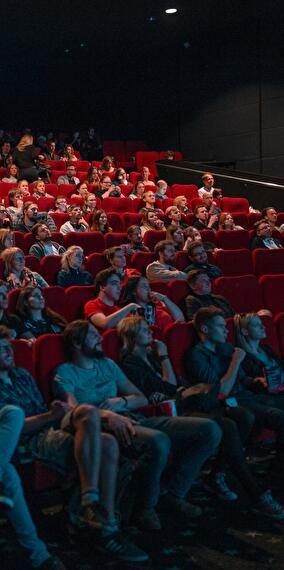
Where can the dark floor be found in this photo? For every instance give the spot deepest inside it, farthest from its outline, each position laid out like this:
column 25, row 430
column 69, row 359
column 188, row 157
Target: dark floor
column 228, row 536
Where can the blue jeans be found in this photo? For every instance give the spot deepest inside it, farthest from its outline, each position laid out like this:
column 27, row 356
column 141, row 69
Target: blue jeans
column 11, row 423
column 191, row 440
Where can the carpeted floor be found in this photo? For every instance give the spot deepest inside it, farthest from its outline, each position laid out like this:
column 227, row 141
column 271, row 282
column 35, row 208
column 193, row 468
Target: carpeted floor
column 227, row 536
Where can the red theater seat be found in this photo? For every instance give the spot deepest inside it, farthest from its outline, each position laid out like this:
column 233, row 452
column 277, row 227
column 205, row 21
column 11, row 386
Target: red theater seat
column 117, row 204
column 209, row 235
column 76, row 297
column 23, row 355
column 182, row 260
column 32, row 262
column 59, row 219
column 50, row 265
column 116, row 221
column 45, row 204
column 96, row 262
column 230, row 239
column 268, row 261
column 178, row 291
column 188, row 190
column 91, row 242
column 179, row 338
column 243, row 292
column 132, row 219
column 237, row 262
column 141, row 259
column 152, row 237
column 48, row 353
column 272, row 287
column 147, row 158
column 113, row 239
column 234, row 205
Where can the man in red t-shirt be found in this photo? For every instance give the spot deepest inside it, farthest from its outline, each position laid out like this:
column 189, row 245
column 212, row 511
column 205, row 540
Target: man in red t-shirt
column 103, row 311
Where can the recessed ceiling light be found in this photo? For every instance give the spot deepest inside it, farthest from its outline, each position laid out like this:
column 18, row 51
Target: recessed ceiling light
column 171, row 11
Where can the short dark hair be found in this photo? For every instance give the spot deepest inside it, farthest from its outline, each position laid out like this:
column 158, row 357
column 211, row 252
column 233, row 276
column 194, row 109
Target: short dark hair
column 198, row 208
column 36, row 227
column 103, row 276
column 265, row 210
column 161, row 245
column 193, row 275
column 111, row 251
column 4, row 332
column 75, row 332
column 28, row 204
column 132, row 229
column 257, row 224
column 205, row 315
column 72, row 207
column 193, row 245
column 70, row 163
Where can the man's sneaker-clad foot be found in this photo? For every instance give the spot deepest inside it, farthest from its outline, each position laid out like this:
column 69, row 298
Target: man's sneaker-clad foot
column 5, row 502
column 89, row 515
column 268, row 506
column 219, row 486
column 147, row 519
column 179, row 506
column 120, row 548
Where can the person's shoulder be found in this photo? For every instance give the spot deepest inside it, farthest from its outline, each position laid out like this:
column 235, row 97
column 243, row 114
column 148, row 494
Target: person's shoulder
column 65, row 367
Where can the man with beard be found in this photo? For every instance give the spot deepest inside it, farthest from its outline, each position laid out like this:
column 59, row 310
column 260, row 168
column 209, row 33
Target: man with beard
column 76, row 222
column 30, row 217
column 91, row 378
column 163, row 269
column 44, row 245
column 135, row 241
column 69, row 439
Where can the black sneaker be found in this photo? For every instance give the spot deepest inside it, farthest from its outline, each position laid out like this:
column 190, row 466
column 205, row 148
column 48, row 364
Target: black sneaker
column 6, row 503
column 120, row 548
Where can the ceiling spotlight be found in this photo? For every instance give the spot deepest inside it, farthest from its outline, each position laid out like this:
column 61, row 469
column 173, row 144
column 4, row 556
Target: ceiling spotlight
column 171, row 11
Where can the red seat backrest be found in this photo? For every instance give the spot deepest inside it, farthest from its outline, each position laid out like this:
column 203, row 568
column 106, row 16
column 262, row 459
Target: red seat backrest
column 147, row 158
column 19, row 240
column 268, row 261
column 178, row 291
column 91, row 242
column 83, row 165
column 45, row 204
column 234, row 205
column 241, row 219
column 50, row 265
column 59, row 218
column 66, row 189
column 116, row 221
column 152, row 237
column 112, row 239
column 48, row 353
column 76, row 297
column 179, row 338
column 23, row 355
column 182, row 260
column 233, row 239
column 141, row 259
column 188, row 190
column 132, row 219
column 96, row 262
column 272, row 287
column 160, row 287
column 118, row 204
column 237, row 262
column 209, row 235
column 32, row 262
column 243, row 292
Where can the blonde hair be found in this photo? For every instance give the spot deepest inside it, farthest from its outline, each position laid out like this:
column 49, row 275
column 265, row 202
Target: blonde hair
column 25, row 140
column 128, row 329
column 241, row 322
column 222, row 220
column 65, row 265
column 178, row 199
column 8, row 257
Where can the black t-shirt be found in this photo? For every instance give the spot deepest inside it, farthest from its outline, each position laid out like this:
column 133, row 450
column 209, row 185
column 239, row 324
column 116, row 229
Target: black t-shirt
column 25, row 158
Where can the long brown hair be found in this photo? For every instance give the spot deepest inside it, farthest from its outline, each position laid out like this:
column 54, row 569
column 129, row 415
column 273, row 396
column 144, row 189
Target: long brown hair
column 23, row 311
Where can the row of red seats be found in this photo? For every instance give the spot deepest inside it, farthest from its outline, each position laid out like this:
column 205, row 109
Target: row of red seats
column 47, row 352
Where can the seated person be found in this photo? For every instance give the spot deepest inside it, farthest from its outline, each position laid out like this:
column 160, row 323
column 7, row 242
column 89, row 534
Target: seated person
column 263, row 237
column 12, row 499
column 137, row 191
column 65, row 447
column 174, row 217
column 145, row 174
column 60, row 204
column 169, row 155
column 208, row 183
column 93, row 176
column 149, row 199
column 226, row 222
column 163, row 269
column 107, row 164
column 120, row 177
column 6, row 155
column 99, row 222
column 106, row 189
column 135, row 241
column 201, row 295
column 39, row 190
column 81, row 190
column 175, row 234
column 199, row 260
column 35, row 317
column 157, row 309
column 204, row 221
column 269, row 214
column 50, row 152
column 16, row 203
column 23, row 187
column 261, row 363
column 191, row 234
column 91, row 377
column 43, row 243
column 181, row 203
column 68, row 154
column 90, row 204
column 71, row 268
column 32, row 216
column 5, row 220
column 16, row 274
column 211, row 204
column 70, row 176
column 104, row 312
column 9, row 320
column 161, row 189
column 12, row 174
column 216, row 362
column 7, row 239
column 117, row 260
column 76, row 223
column 150, row 222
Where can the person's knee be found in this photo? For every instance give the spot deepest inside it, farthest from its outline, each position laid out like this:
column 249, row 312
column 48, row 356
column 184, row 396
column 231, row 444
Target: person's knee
column 13, row 414
column 87, row 415
column 160, row 445
column 110, row 447
column 212, row 432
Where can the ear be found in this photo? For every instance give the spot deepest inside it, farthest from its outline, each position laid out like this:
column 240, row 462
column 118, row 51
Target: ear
column 244, row 332
column 204, row 329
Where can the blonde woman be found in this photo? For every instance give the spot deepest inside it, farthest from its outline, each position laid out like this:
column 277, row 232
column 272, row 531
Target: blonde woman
column 24, row 157
column 150, row 221
column 71, row 268
column 16, row 274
